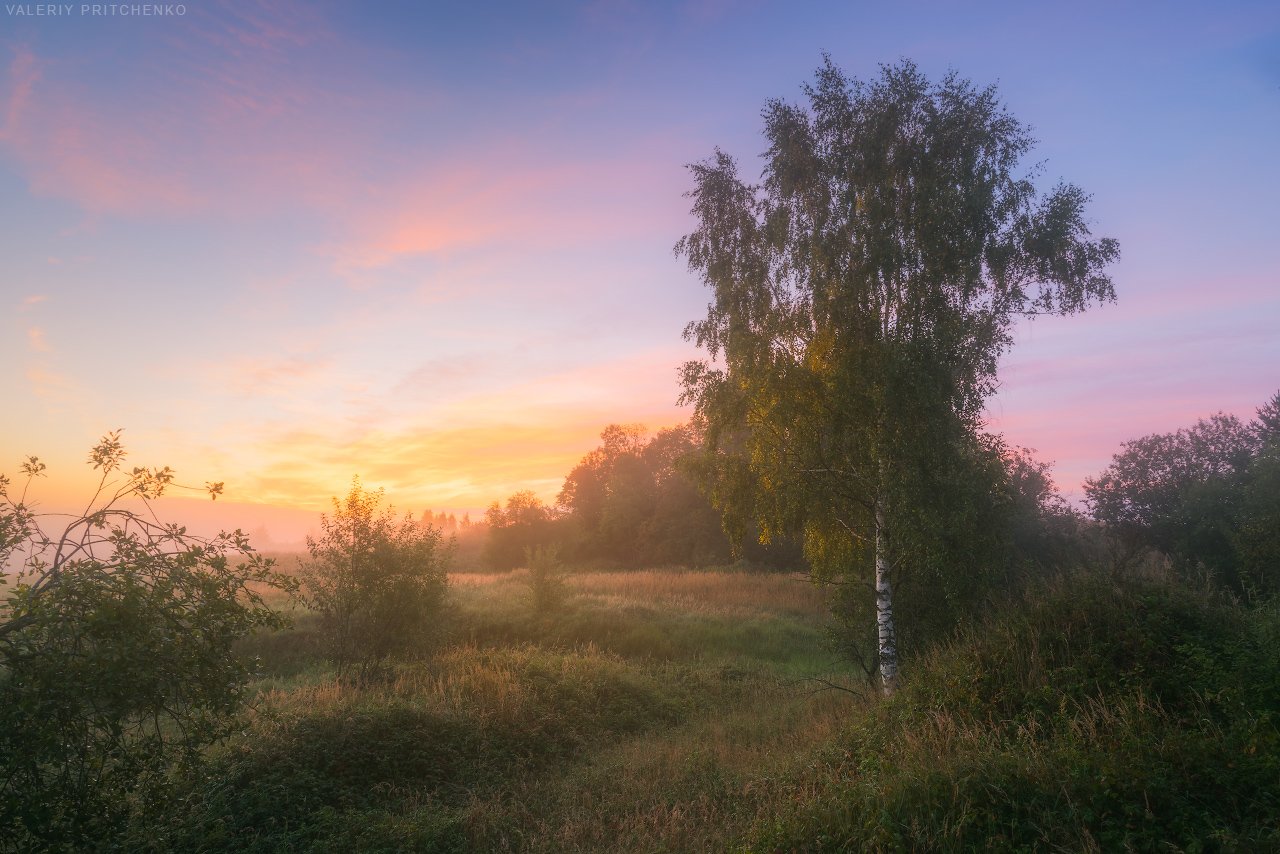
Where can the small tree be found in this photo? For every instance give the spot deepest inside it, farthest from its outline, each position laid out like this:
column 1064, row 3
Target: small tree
column 547, row 586
column 376, row 582
column 117, row 652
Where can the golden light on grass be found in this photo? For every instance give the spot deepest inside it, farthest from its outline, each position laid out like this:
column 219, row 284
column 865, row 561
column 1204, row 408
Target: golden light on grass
column 706, row 592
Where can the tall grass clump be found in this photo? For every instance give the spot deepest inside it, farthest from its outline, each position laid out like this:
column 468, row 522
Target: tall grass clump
column 1095, row 715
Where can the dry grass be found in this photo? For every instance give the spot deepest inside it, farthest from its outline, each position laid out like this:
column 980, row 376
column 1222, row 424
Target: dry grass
column 661, row 710
column 705, row 592
column 709, row 593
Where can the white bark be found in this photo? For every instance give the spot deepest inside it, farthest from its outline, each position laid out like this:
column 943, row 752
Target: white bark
column 888, row 646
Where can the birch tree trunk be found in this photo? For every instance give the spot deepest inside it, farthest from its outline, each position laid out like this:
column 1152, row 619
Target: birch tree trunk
column 888, row 647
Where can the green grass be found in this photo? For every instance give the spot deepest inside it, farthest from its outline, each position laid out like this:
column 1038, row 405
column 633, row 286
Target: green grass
column 657, row 698
column 673, row 711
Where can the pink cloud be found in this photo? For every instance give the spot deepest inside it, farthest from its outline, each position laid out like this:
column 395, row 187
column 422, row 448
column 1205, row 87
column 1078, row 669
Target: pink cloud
column 510, row 194
column 227, row 121
column 246, row 114
column 24, row 71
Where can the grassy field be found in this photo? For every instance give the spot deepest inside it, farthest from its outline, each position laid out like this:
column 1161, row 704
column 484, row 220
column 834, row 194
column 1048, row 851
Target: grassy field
column 666, row 710
column 658, row 710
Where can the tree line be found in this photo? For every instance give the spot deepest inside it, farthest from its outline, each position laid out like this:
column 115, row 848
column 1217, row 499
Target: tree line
column 634, row 501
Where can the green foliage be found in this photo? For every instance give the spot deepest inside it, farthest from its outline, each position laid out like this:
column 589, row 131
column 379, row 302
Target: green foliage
column 863, row 294
column 396, row 768
column 663, row 712
column 377, row 583
column 117, row 654
column 1095, row 715
column 525, row 522
column 547, row 586
column 1257, row 535
column 1205, row 496
column 630, row 501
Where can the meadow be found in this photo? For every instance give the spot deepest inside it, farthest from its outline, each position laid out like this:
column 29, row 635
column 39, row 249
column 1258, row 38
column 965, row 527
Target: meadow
column 674, row 710
column 657, row 710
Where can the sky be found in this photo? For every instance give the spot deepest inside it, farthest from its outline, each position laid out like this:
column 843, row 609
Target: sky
column 283, row 244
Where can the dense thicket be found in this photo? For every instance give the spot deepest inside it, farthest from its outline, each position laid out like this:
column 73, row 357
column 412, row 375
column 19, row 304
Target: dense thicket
column 1206, row 496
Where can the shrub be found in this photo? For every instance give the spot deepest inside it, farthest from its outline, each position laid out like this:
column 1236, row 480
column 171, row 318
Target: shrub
column 546, row 579
column 117, row 654
column 378, row 583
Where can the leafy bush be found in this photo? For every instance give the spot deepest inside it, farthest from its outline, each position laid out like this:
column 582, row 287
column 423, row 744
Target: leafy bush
column 117, row 658
column 377, row 583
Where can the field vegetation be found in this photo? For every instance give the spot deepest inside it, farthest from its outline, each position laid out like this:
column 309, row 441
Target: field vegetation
column 659, row 709
column 676, row 710
column 1105, row 697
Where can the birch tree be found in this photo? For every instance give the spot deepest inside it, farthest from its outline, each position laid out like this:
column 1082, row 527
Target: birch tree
column 863, row 292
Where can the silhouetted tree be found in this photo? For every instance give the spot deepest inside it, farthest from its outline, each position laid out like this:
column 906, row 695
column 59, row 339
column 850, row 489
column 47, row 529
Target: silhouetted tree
column 1205, row 496
column 1046, row 533
column 629, row 501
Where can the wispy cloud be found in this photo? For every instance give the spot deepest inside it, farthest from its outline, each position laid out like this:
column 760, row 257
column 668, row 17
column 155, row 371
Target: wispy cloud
column 273, row 375
column 49, row 385
column 36, row 340
column 516, row 194
column 23, row 73
column 252, row 127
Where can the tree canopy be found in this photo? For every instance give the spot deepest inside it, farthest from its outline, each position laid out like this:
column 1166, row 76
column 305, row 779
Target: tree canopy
column 862, row 295
column 629, row 501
